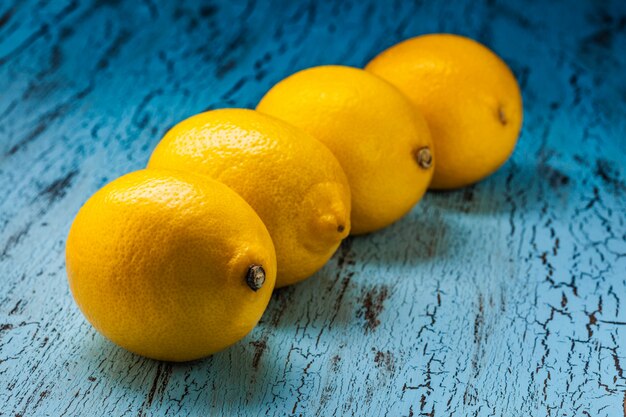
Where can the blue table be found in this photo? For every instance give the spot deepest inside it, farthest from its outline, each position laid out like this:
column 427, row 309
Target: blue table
column 507, row 298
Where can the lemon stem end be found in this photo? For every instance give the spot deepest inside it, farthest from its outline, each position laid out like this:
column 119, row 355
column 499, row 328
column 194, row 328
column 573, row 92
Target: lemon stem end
column 255, row 278
column 424, row 157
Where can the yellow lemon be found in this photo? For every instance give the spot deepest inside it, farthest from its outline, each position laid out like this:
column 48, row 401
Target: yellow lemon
column 293, row 182
column 170, row 265
column 469, row 97
column 382, row 143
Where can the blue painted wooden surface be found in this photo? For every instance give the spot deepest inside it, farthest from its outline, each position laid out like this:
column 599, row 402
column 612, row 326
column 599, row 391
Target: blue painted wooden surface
column 506, row 298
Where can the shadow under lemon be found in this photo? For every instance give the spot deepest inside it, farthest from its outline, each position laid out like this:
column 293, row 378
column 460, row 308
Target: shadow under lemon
column 516, row 186
column 241, row 371
column 334, row 297
column 414, row 241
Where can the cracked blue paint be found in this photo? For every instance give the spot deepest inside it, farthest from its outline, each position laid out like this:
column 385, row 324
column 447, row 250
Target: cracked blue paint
column 502, row 299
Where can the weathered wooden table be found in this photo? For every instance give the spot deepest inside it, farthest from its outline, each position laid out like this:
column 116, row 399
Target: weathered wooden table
column 505, row 299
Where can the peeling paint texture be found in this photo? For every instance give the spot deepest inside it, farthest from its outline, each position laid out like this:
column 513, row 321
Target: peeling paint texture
column 507, row 298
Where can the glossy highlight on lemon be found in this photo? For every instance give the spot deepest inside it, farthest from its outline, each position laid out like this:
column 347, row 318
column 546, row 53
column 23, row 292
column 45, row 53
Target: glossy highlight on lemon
column 170, row 265
column 381, row 141
column 292, row 181
column 469, row 97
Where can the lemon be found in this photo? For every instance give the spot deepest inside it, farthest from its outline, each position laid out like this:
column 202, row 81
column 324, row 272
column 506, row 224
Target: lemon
column 469, row 97
column 382, row 143
column 170, row 265
column 291, row 180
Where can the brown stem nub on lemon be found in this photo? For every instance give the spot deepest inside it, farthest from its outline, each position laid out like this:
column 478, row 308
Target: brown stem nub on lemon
column 255, row 278
column 424, row 158
column 467, row 94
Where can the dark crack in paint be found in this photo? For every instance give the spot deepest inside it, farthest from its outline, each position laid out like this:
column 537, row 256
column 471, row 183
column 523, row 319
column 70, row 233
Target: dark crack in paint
column 259, row 349
column 372, row 306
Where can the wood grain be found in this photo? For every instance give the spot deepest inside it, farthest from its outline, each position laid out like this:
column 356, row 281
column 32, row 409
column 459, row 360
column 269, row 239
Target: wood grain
column 502, row 299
